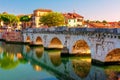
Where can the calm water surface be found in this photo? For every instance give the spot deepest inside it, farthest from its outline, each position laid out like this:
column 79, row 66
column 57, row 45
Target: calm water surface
column 22, row 62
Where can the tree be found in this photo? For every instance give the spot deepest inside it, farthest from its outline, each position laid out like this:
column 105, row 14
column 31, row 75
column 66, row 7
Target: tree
column 53, row 19
column 98, row 21
column 0, row 20
column 25, row 19
column 9, row 19
column 87, row 21
column 104, row 21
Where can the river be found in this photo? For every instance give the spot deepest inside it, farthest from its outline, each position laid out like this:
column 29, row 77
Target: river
column 22, row 62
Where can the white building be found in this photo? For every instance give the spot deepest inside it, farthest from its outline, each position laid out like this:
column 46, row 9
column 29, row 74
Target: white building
column 73, row 19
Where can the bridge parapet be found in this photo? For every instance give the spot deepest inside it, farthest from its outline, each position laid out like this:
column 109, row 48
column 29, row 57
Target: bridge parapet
column 72, row 30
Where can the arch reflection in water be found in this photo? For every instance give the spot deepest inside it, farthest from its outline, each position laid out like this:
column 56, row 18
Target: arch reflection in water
column 81, row 66
column 55, row 57
column 73, row 68
column 38, row 51
column 36, row 67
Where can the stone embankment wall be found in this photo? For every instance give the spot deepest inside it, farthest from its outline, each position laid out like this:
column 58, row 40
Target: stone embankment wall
column 11, row 36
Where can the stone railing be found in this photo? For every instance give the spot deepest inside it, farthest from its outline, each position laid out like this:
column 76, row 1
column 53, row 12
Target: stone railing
column 72, row 30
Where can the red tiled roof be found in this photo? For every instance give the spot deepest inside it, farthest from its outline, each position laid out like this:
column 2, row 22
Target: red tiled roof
column 103, row 25
column 97, row 25
column 72, row 15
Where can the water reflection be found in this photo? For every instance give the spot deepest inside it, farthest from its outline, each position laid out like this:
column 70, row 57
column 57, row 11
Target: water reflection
column 81, row 67
column 67, row 68
column 55, row 57
column 113, row 72
column 39, row 51
column 7, row 61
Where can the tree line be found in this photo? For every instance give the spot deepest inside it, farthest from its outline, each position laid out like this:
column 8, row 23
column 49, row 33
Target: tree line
column 50, row 19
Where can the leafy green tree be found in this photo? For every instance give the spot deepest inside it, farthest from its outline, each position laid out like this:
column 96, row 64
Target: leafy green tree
column 104, row 21
column 97, row 21
column 0, row 20
column 53, row 19
column 25, row 19
column 9, row 19
column 87, row 21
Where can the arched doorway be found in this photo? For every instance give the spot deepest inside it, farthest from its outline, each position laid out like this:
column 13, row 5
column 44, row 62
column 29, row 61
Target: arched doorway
column 55, row 43
column 113, row 56
column 81, row 47
column 38, row 41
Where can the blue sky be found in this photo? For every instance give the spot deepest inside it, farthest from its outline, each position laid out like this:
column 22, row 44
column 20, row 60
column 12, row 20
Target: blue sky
column 90, row 9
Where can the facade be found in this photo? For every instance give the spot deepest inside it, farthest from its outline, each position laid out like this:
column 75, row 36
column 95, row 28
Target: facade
column 1, row 23
column 37, row 15
column 73, row 19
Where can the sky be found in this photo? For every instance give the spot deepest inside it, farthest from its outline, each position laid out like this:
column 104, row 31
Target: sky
column 90, row 9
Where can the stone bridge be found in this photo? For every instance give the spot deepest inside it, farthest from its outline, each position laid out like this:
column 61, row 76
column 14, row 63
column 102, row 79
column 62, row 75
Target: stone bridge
column 102, row 44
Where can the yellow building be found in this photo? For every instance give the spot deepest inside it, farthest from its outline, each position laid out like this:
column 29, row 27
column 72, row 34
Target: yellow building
column 1, row 23
column 37, row 15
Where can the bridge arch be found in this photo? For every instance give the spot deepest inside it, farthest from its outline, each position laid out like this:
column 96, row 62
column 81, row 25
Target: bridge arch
column 113, row 56
column 80, row 47
column 55, row 43
column 39, row 41
column 28, row 39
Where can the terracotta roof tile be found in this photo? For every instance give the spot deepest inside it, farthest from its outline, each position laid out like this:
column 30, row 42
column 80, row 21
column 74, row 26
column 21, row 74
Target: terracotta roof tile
column 72, row 15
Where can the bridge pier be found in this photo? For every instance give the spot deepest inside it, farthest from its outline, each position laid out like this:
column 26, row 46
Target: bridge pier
column 65, row 51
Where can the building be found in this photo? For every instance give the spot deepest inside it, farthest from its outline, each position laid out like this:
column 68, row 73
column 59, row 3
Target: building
column 103, row 25
column 1, row 23
column 73, row 19
column 37, row 15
